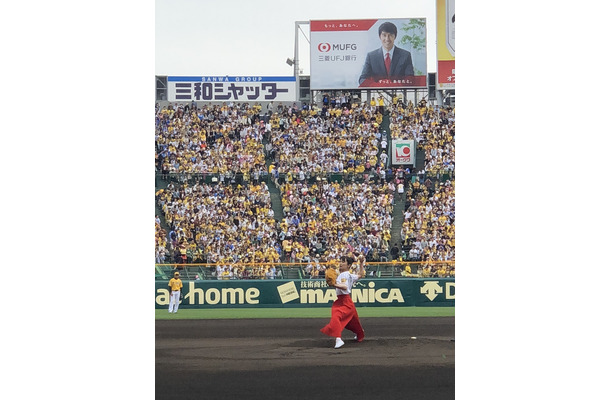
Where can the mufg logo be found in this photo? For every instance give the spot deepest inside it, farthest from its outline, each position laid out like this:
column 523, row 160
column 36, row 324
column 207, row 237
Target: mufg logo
column 431, row 289
column 326, row 47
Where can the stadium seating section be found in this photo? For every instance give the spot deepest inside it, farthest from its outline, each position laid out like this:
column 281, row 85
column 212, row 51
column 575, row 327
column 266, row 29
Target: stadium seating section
column 246, row 192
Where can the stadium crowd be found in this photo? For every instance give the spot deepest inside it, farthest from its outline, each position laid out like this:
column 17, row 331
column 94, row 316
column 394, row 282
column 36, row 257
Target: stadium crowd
column 326, row 219
column 221, row 139
column 226, row 223
column 340, row 139
column 433, row 130
column 428, row 230
column 220, row 223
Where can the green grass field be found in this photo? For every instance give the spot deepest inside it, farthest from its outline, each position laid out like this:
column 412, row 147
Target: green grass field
column 363, row 312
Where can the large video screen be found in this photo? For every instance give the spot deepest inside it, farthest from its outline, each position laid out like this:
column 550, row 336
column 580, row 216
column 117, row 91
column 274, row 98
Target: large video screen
column 368, row 53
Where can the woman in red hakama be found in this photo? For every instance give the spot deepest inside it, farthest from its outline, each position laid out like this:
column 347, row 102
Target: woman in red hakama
column 343, row 312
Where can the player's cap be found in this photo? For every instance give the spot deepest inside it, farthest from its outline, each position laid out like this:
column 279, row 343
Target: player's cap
column 176, row 273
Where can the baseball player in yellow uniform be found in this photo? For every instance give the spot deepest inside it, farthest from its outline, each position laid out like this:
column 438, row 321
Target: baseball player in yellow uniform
column 175, row 287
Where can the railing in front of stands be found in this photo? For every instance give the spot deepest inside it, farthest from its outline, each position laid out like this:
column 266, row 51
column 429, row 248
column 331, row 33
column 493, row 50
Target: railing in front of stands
column 393, row 269
column 238, row 178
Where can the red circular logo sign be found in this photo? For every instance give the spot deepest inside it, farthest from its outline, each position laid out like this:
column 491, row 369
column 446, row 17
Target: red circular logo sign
column 324, row 47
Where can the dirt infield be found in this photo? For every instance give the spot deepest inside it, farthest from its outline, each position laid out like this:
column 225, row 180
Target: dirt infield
column 292, row 359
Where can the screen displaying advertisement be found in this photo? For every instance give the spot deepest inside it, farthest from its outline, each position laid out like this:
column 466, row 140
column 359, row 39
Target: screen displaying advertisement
column 231, row 88
column 351, row 54
column 403, row 152
column 445, row 44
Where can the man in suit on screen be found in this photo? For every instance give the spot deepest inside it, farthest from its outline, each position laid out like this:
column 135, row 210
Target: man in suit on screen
column 388, row 61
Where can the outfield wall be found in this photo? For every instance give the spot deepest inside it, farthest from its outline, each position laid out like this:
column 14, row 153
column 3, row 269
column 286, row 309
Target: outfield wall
column 405, row 292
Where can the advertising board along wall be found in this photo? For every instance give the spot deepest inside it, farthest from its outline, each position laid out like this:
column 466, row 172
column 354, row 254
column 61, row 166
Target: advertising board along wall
column 408, row 292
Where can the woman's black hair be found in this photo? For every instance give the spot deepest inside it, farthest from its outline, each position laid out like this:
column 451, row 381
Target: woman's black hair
column 349, row 260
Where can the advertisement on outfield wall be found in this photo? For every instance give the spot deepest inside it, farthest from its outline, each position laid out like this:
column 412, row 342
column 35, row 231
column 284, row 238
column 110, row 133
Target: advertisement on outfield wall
column 445, row 44
column 403, row 152
column 368, row 53
column 420, row 292
column 231, row 88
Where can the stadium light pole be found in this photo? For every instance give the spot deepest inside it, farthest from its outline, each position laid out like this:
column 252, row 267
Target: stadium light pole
column 297, row 27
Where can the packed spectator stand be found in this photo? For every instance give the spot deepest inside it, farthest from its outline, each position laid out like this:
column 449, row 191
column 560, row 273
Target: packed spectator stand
column 242, row 187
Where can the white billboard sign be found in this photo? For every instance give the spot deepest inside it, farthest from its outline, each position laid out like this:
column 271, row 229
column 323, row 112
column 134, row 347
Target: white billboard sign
column 368, row 53
column 403, row 152
column 231, row 88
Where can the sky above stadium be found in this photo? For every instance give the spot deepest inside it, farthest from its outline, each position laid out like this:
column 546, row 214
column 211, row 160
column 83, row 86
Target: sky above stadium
column 245, row 37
